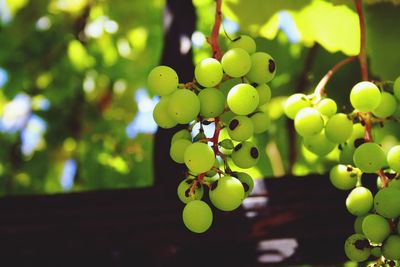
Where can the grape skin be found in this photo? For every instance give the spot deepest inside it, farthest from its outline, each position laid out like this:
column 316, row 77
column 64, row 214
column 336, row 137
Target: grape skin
column 364, row 160
column 386, row 202
column 308, row 122
column 359, row 201
column 208, row 72
column 197, row 216
column 227, row 193
column 393, row 158
column 184, row 188
column 342, row 178
column 245, row 42
column 243, row 99
column 236, row 62
column 355, row 253
column 199, row 157
column 391, row 248
column 365, row 96
column 294, row 104
column 376, row 228
column 162, row 80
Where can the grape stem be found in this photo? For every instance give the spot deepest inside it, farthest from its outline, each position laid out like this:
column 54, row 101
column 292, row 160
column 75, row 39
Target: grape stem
column 320, row 89
column 362, row 56
column 213, row 39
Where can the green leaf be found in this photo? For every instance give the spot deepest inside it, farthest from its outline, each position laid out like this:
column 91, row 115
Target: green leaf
column 334, row 27
column 383, row 37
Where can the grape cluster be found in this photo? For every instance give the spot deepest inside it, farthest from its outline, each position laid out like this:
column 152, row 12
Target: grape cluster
column 377, row 226
column 227, row 93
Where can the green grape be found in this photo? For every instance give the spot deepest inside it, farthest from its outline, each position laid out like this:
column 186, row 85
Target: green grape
column 161, row 115
column 294, row 104
column 391, row 248
column 344, row 177
column 398, row 227
column 396, row 114
column 226, row 117
column 227, row 85
column 236, row 62
column 357, row 248
column 245, row 155
column 376, row 252
column 227, row 193
column 212, row 173
column 339, row 128
column 162, row 80
column 177, row 150
column 308, row 122
column 359, row 201
column 375, row 228
column 208, row 72
column 199, row 157
column 393, row 158
column 181, row 134
column 245, row 42
column 184, row 191
column 369, row 157
column 243, row 99
column 347, row 148
column 387, row 106
column 365, row 96
column 396, row 88
column 393, row 182
column 212, row 102
column 262, row 69
column 318, row 144
column 327, row 107
column 261, row 122
column 240, row 128
column 183, row 106
column 358, row 224
column 387, row 202
column 197, row 216
column 246, row 180
column 264, row 93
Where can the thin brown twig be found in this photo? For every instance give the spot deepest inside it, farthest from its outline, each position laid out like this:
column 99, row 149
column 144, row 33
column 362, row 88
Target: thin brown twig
column 213, row 39
column 362, row 56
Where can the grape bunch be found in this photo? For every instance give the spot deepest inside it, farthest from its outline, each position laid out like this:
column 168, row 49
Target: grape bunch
column 322, row 128
column 228, row 93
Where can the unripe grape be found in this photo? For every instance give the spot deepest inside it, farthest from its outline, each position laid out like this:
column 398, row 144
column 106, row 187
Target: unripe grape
column 183, row 106
column 245, row 42
column 396, row 88
column 181, row 134
column 197, row 216
column 161, row 115
column 318, row 144
column 184, row 191
column 243, row 99
column 387, row 202
column 365, row 96
column 227, row 193
column 199, row 157
column 357, row 248
column 226, row 117
column 162, row 80
column 308, row 122
column 339, row 128
column 246, row 180
column 262, row 69
column 212, row 102
column 240, row 128
column 327, row 107
column 358, row 224
column 178, row 149
column 376, row 252
column 236, row 62
column 344, row 177
column 359, row 201
column 208, row 72
column 393, row 158
column 261, row 122
column 294, row 104
column 245, row 155
column 264, row 93
column 369, row 157
column 387, row 106
column 391, row 248
column 375, row 228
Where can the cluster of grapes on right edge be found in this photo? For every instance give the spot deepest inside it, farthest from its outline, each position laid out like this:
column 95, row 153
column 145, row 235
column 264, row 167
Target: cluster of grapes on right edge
column 377, row 226
column 230, row 94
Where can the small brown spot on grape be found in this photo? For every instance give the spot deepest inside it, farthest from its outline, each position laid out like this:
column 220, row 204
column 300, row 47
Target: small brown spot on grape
column 254, row 152
column 362, row 244
column 214, row 185
column 349, row 168
column 239, row 146
column 245, row 187
column 233, row 124
column 187, row 192
column 271, row 66
column 358, row 142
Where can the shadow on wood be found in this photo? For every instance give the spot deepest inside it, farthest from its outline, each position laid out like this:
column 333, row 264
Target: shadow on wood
column 300, row 220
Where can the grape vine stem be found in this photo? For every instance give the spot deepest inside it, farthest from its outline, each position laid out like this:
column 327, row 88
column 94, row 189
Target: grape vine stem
column 362, row 56
column 213, row 39
column 320, row 88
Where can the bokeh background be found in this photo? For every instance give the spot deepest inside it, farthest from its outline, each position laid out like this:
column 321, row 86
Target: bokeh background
column 75, row 113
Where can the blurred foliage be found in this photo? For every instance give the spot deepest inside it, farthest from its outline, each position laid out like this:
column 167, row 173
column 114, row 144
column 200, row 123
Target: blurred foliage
column 71, row 73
